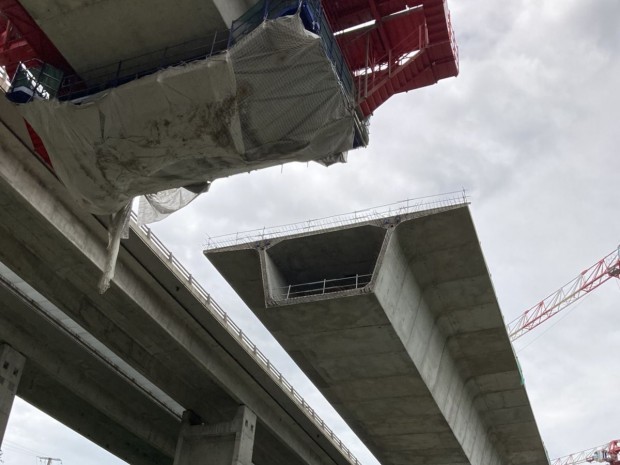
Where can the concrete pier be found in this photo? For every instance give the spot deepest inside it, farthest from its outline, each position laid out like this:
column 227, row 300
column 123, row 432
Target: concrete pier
column 396, row 322
column 229, row 443
column 11, row 368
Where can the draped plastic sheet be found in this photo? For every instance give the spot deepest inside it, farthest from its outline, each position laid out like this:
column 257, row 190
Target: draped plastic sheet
column 272, row 98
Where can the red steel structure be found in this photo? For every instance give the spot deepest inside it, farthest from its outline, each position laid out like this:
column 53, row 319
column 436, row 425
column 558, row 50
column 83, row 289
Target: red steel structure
column 393, row 46
column 22, row 41
column 390, row 46
column 602, row 271
column 607, row 453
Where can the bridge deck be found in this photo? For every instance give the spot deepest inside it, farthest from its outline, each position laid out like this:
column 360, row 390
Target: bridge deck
column 417, row 360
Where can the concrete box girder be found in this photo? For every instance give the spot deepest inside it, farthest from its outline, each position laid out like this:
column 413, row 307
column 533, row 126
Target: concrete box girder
column 95, row 33
column 426, row 336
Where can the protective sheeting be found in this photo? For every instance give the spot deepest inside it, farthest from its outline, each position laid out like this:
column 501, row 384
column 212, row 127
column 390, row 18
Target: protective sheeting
column 272, row 98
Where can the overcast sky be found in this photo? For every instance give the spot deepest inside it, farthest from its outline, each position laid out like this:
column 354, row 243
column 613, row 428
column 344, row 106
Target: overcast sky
column 530, row 129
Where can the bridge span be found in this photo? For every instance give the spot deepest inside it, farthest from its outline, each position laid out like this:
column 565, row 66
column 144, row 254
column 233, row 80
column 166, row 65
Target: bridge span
column 394, row 318
column 123, row 367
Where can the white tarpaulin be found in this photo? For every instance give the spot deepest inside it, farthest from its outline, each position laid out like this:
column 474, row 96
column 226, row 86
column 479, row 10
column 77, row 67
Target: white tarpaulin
column 272, row 98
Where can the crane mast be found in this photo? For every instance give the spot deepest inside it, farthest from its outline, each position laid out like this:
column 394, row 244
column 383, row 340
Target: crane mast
column 602, row 271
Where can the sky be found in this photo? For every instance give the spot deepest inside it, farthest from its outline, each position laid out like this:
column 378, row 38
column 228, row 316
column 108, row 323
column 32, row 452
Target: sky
column 530, row 130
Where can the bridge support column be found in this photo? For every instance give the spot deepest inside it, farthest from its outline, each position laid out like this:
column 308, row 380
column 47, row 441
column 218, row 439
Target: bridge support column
column 11, row 367
column 229, row 443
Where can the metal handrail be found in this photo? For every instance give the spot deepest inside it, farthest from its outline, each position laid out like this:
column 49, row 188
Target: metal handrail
column 120, row 72
column 324, row 286
column 408, row 206
column 177, row 268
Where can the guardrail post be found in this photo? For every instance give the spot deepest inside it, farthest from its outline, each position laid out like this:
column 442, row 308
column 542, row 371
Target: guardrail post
column 356, row 280
column 324, row 283
column 289, row 291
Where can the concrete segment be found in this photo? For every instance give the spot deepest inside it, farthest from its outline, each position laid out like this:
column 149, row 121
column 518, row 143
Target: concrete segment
column 418, row 361
column 11, row 369
column 148, row 317
column 94, row 34
column 230, row 443
column 65, row 379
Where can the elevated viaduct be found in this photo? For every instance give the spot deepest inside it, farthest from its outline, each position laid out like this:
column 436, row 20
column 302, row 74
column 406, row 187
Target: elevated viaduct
column 122, row 368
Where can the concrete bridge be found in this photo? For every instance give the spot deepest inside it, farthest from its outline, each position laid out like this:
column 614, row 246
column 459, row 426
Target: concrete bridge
column 395, row 320
column 123, row 367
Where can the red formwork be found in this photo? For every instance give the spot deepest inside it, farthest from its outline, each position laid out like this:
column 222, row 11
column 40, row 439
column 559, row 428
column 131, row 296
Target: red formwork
column 393, row 46
column 22, row 40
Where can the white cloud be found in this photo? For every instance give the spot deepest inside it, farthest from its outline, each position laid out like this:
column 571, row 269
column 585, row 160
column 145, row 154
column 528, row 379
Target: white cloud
column 530, row 129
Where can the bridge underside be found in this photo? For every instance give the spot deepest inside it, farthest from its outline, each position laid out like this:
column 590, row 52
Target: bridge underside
column 149, row 318
column 414, row 355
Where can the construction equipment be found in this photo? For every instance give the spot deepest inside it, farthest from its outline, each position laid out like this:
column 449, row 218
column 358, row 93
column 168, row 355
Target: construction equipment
column 602, row 271
column 607, row 453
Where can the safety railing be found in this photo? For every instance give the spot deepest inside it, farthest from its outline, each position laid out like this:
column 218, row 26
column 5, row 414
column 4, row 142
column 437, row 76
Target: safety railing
column 404, row 207
column 177, row 268
column 325, row 286
column 378, row 70
column 121, row 72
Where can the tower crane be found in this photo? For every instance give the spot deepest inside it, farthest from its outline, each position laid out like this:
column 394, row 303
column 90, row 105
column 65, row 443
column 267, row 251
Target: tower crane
column 602, row 271
column 607, row 453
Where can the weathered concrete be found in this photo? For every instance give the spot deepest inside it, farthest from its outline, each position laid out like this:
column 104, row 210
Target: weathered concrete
column 148, row 317
column 96, row 34
column 417, row 361
column 66, row 379
column 11, row 369
column 229, row 443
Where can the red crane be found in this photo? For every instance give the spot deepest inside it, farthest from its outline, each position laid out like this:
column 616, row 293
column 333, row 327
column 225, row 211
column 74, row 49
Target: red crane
column 607, row 453
column 588, row 280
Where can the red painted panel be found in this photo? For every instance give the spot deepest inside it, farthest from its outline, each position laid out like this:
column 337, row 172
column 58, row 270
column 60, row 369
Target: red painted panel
column 380, row 54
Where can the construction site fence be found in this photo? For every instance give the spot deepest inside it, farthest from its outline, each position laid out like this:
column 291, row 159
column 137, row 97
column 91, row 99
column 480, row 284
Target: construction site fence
column 177, row 268
column 408, row 206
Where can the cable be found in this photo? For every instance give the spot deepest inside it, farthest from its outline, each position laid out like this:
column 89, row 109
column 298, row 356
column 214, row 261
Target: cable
column 554, row 323
column 15, row 447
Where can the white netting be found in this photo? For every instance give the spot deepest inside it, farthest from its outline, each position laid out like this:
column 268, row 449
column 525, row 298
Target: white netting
column 291, row 103
column 272, row 98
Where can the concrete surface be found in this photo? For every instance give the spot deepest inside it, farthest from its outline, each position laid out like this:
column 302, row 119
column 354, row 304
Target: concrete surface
column 62, row 372
column 11, row 369
column 418, row 361
column 229, row 443
column 148, row 318
column 95, row 33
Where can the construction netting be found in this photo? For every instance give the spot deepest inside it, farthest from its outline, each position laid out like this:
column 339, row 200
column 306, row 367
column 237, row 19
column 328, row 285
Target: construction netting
column 272, row 98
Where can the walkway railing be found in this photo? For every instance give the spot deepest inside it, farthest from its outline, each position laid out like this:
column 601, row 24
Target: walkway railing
column 177, row 268
column 325, row 286
column 404, row 207
column 121, row 72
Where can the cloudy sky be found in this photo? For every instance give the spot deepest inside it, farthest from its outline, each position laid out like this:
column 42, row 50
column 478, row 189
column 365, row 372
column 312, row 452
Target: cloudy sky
column 530, row 129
